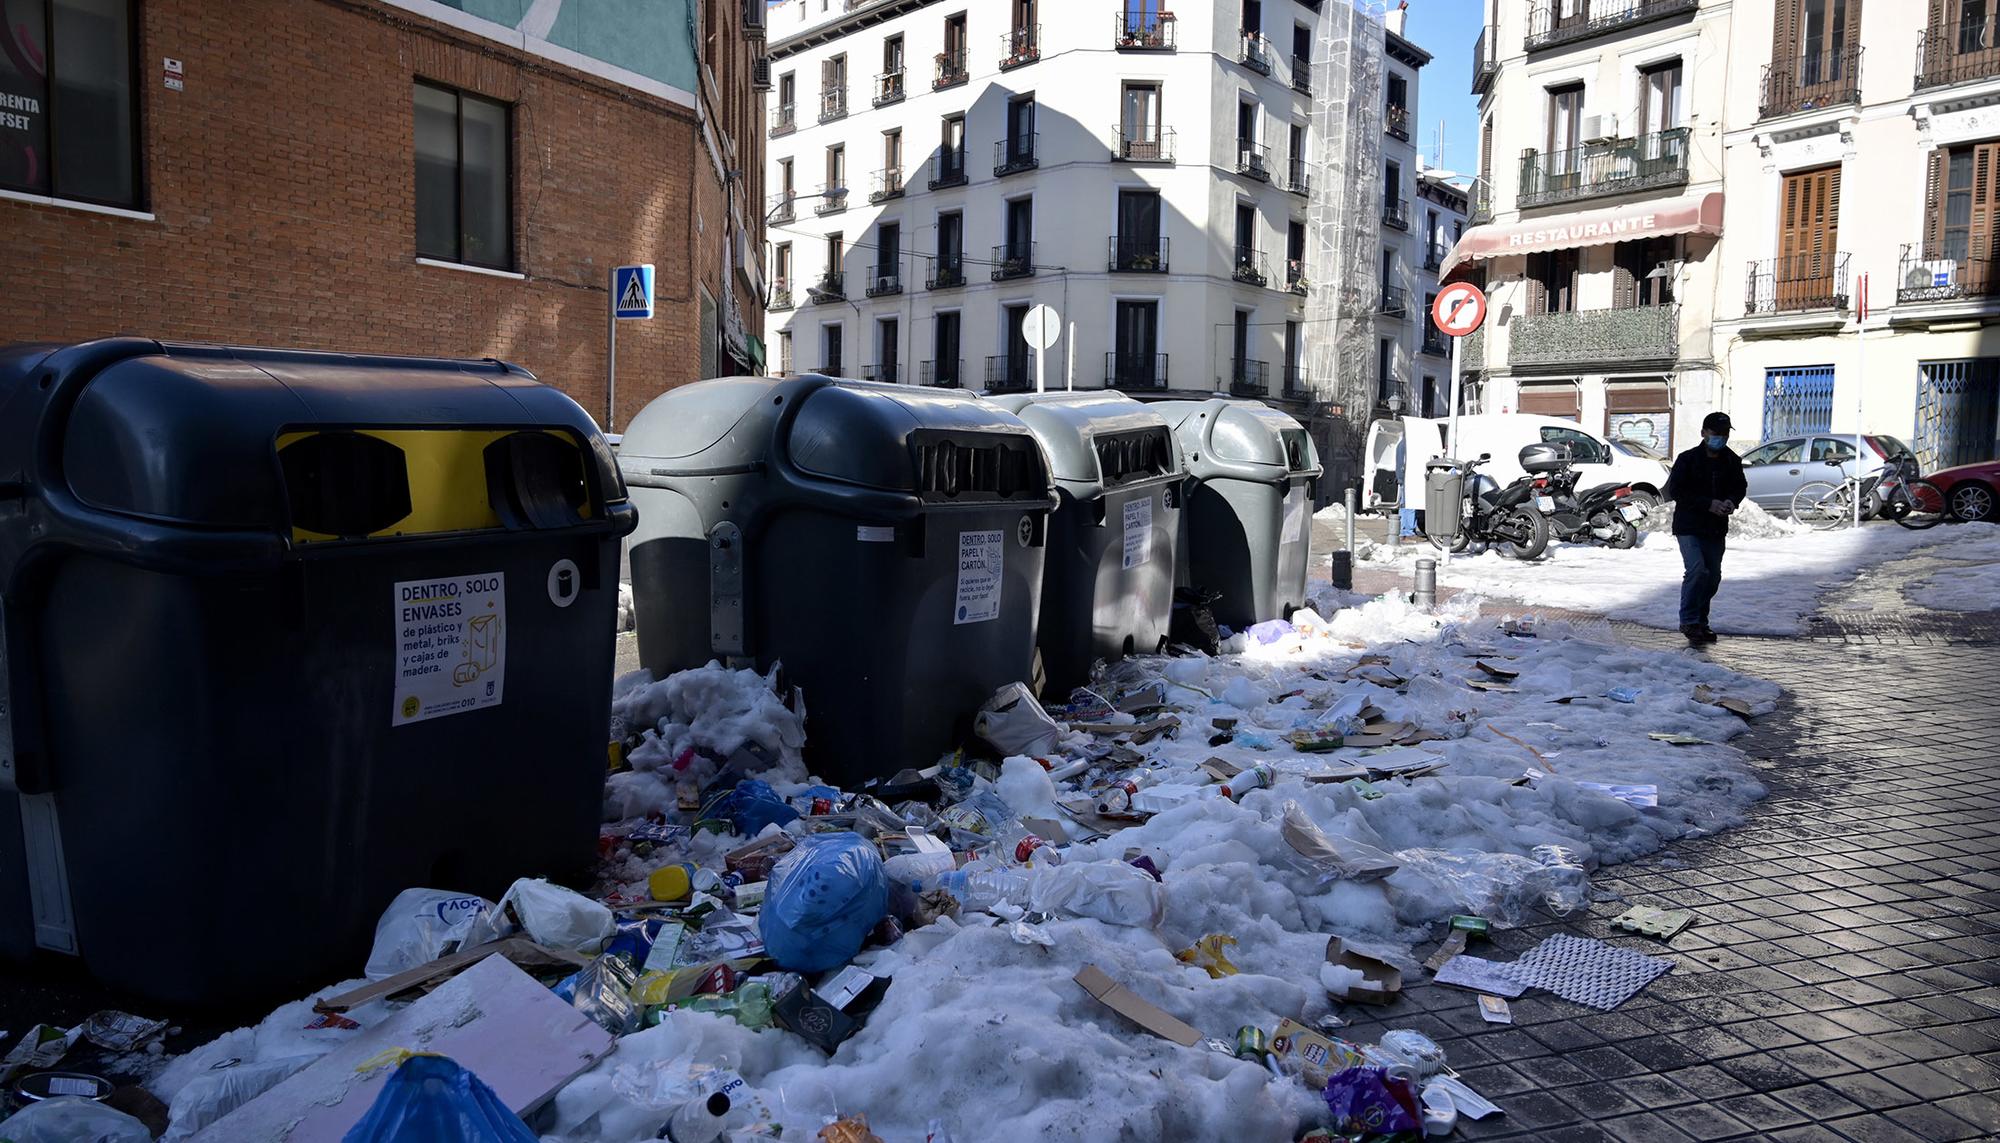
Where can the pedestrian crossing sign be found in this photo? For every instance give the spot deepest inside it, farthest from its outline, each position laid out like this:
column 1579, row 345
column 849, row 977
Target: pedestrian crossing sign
column 632, row 291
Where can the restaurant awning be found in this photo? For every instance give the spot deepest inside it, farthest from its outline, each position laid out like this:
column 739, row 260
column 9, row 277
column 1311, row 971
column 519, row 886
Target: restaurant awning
column 1688, row 214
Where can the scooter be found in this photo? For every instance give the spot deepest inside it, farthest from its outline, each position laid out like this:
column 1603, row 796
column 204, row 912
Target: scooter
column 1603, row 514
column 1499, row 516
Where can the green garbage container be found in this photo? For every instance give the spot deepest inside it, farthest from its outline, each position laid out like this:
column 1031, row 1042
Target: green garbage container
column 1108, row 587
column 883, row 542
column 1251, row 471
column 288, row 633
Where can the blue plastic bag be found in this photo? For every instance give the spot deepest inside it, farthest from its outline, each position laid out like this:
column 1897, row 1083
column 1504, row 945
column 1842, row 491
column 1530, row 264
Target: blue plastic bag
column 822, row 900
column 751, row 806
column 433, row 1099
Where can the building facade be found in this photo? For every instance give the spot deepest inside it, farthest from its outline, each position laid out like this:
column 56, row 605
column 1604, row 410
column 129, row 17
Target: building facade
column 1598, row 211
column 401, row 176
column 1438, row 221
column 1861, row 144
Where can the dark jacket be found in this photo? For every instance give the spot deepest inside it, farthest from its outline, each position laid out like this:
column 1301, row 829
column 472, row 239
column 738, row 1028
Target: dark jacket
column 1699, row 478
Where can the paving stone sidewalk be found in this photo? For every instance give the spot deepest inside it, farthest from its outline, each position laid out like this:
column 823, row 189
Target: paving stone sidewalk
column 1843, row 981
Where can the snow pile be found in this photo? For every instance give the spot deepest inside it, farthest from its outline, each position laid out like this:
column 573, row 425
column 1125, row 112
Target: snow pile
column 1973, row 584
column 1748, row 522
column 693, row 721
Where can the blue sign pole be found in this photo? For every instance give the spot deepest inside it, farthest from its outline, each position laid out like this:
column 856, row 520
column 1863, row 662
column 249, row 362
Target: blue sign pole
column 631, row 300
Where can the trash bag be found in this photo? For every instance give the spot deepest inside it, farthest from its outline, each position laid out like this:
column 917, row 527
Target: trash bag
column 823, row 898
column 73, row 1119
column 749, row 806
column 1193, row 620
column 1373, row 1104
column 421, row 925
column 554, row 916
column 433, row 1099
column 1012, row 722
column 1110, row 891
column 221, row 1090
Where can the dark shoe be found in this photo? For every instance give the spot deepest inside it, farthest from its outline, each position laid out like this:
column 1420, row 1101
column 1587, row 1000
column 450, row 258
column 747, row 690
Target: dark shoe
column 1708, row 634
column 1695, row 632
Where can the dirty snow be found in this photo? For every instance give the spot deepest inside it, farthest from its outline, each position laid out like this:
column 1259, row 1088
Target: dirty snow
column 1971, row 582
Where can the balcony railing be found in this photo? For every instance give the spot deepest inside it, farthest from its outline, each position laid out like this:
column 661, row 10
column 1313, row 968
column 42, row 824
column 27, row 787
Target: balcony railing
column 1822, row 77
column 1434, row 255
column 1298, row 386
column 885, row 373
column 1396, row 213
column 1253, row 159
column 1566, row 21
column 950, row 70
column 1011, row 156
column 1949, row 278
column 1800, row 282
column 884, row 281
column 784, row 119
column 1617, row 166
column 948, row 169
column 1644, row 333
column 781, row 297
column 1146, row 255
column 832, row 104
column 1021, row 46
column 888, row 185
column 1395, row 301
column 945, row 273
column 830, row 201
column 832, row 368
column 1295, row 277
column 1958, row 53
column 1143, row 32
column 1433, row 343
column 1298, row 176
column 1135, row 370
column 1009, row 373
column 784, row 206
column 1250, row 266
column 1013, row 260
column 1144, row 144
column 1249, row 378
column 1396, row 121
column 889, row 88
column 832, row 284
column 942, row 374
column 1482, row 203
column 1256, row 54
column 1485, row 59
column 1302, row 75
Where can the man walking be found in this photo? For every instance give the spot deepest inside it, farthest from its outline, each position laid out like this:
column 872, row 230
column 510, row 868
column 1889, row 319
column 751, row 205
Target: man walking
column 1706, row 485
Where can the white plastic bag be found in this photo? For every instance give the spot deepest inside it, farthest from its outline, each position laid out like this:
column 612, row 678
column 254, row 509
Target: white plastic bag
column 554, row 916
column 421, row 925
column 1110, row 891
column 1014, row 723
column 73, row 1119
column 217, row 1092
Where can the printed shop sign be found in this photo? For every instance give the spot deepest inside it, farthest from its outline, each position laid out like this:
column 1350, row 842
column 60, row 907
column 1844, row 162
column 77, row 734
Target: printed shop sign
column 451, row 646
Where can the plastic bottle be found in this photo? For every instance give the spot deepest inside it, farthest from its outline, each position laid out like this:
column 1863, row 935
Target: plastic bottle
column 1564, row 886
column 1623, row 694
column 1117, row 799
column 1255, row 778
column 698, row 1121
column 982, row 888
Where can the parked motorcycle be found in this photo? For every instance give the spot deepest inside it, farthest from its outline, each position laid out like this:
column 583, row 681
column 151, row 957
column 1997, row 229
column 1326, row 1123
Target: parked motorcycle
column 1602, row 514
column 1502, row 517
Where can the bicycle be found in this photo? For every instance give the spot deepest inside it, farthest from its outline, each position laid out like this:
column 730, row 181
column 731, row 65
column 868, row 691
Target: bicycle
column 1915, row 504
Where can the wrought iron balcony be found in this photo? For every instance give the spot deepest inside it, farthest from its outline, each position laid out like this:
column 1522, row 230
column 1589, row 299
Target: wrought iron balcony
column 948, row 169
column 1250, row 266
column 1009, row 373
column 1948, row 277
column 884, row 281
column 889, row 88
column 831, row 201
column 1012, row 156
column 1795, row 284
column 1302, row 75
column 1396, row 213
column 1396, row 121
column 784, row 206
column 888, row 185
column 1485, row 59
column 942, row 374
column 1395, row 301
column 1249, row 378
column 1960, row 52
column 1135, row 370
column 1013, row 260
column 1472, row 350
column 1556, row 22
column 1433, row 343
column 885, row 373
column 832, row 104
column 1434, row 255
column 781, row 297
column 1147, row 255
column 832, row 368
column 784, row 120
column 1256, row 54
column 1482, row 203
column 1577, row 337
column 1295, row 277
column 1144, row 144
column 832, row 284
column 1253, row 159
column 1298, row 386
column 1143, row 32
column 950, row 70
column 1298, row 176
column 1823, row 76
column 1616, row 166
column 1021, row 46
column 946, row 272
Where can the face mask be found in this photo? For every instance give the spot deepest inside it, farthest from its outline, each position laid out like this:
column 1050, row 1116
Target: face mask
column 1716, row 443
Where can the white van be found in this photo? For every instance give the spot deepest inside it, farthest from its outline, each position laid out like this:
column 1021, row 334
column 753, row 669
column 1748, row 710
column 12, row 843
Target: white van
column 1398, row 447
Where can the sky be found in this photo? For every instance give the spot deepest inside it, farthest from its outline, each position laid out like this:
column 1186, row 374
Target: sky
column 1446, row 29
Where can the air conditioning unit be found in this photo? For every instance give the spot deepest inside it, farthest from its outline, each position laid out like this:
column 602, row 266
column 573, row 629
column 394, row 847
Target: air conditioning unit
column 1931, row 274
column 760, row 75
column 885, row 282
column 1600, row 128
column 753, row 19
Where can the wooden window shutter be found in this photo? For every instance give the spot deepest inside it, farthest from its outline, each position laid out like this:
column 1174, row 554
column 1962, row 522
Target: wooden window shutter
column 1979, row 238
column 1785, row 37
column 1538, row 286
column 1934, row 204
column 1624, row 276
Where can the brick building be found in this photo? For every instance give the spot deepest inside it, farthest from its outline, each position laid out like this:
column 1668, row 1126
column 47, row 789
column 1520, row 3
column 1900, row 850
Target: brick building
column 452, row 177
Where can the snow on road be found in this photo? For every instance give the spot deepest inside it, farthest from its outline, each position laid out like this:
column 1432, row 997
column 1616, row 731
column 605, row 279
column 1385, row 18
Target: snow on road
column 1971, row 582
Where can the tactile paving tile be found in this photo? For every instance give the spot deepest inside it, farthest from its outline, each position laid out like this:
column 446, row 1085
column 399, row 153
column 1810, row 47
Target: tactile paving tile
column 1586, row 971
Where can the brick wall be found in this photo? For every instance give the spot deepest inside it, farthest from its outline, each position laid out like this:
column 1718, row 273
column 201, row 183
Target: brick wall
column 282, row 181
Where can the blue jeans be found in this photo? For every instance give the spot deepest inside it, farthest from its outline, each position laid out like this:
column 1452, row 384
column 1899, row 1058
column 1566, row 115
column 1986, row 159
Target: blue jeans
column 1702, row 557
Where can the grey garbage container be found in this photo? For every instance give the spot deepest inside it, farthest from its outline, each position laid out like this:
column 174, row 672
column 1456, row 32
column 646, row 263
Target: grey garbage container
column 1444, row 494
column 1108, row 587
column 884, row 543
column 1248, row 523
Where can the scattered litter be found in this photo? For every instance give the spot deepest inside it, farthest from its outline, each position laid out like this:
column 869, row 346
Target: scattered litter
column 1643, row 795
column 1206, row 954
column 1678, row 739
column 121, row 1031
column 1586, row 971
column 1130, row 1005
column 1654, row 921
column 1494, row 1010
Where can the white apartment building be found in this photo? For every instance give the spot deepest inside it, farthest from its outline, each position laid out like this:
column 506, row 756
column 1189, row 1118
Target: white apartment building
column 1145, row 172
column 1437, row 221
column 1862, row 140
column 1597, row 212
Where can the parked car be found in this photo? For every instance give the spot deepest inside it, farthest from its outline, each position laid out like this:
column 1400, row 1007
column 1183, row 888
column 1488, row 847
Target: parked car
column 1777, row 469
column 1398, row 447
column 1971, row 491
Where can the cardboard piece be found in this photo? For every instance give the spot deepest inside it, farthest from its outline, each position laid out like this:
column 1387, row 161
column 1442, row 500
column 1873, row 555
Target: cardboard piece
column 1141, row 732
column 518, row 950
column 1678, row 739
column 1654, row 921
column 1483, row 685
column 1221, row 769
column 1479, row 975
column 1501, row 673
column 1494, row 1010
column 496, row 1021
column 1380, row 972
column 1735, row 706
column 1453, row 945
column 1130, row 1005
column 822, row 1022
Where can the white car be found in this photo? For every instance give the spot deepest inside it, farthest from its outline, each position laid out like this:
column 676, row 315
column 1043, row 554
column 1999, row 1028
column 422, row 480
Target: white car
column 1398, row 448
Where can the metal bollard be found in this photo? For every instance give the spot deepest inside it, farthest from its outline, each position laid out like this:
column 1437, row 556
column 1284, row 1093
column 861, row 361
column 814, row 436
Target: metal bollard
column 1427, row 584
column 1342, row 564
column 1350, row 519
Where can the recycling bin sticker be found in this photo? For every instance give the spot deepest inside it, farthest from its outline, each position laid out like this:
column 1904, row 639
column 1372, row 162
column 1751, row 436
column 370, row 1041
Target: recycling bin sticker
column 1138, row 531
column 979, row 571
column 451, row 646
